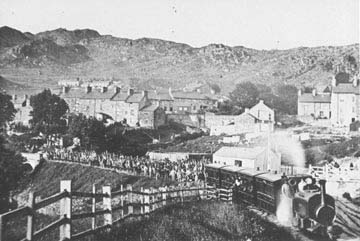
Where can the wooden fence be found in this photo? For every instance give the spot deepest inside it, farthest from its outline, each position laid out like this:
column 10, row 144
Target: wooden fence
column 116, row 206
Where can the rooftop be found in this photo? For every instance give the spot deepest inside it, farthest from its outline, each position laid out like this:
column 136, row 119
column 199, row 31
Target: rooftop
column 239, row 152
column 157, row 95
column 121, row 96
column 346, row 88
column 318, row 98
column 135, row 98
column 97, row 94
column 192, row 95
column 149, row 108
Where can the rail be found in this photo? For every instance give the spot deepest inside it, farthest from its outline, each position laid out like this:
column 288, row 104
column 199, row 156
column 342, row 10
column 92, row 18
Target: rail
column 121, row 204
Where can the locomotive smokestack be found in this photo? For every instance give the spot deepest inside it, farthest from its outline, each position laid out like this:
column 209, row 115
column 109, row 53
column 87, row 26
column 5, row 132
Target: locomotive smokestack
column 323, row 190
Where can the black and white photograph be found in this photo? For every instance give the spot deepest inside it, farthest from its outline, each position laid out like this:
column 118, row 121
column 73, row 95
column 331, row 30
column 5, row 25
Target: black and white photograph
column 179, row 120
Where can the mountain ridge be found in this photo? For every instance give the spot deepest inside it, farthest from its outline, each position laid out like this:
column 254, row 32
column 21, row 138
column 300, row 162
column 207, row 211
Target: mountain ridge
column 85, row 53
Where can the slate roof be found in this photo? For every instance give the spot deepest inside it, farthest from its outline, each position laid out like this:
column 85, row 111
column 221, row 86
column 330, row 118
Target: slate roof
column 239, row 152
column 346, row 88
column 149, row 108
column 97, row 94
column 192, row 95
column 121, row 96
column 135, row 98
column 73, row 93
column 310, row 98
column 163, row 95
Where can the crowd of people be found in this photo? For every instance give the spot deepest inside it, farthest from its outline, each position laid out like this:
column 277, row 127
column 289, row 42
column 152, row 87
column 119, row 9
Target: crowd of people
column 184, row 170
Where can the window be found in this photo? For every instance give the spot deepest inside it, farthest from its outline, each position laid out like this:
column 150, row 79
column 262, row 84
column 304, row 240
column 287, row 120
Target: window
column 165, row 108
column 131, row 112
column 171, row 109
column 238, row 163
column 353, row 109
column 194, row 107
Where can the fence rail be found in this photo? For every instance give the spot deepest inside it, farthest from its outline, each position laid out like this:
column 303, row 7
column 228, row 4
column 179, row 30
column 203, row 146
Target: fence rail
column 123, row 204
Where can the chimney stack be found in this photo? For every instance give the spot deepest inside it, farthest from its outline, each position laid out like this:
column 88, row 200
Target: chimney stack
column 87, row 89
column 145, row 93
column 355, row 82
column 314, row 92
column 130, row 91
column 116, row 89
column 103, row 89
column 333, row 81
column 322, row 183
column 65, row 89
column 299, row 92
column 170, row 93
column 14, row 97
column 247, row 110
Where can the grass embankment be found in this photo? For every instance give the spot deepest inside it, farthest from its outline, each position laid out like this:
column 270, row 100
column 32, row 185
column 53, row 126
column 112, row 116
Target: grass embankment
column 205, row 220
column 45, row 181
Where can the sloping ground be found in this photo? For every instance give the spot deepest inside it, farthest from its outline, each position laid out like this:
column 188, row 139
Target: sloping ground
column 45, row 181
column 205, row 220
column 199, row 145
column 348, row 217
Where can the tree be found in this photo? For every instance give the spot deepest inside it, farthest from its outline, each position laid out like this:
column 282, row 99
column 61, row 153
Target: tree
column 7, row 110
column 48, row 112
column 286, row 101
column 266, row 94
column 11, row 172
column 90, row 131
column 215, row 87
column 245, row 95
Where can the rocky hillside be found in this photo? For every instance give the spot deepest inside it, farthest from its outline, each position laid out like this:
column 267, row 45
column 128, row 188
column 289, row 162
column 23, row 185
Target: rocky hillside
column 47, row 57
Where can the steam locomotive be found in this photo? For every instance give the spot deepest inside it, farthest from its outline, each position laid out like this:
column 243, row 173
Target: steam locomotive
column 312, row 209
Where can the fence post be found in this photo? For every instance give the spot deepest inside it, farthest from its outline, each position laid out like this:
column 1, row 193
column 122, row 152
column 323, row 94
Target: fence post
column 142, row 208
column 181, row 194
column 30, row 217
column 93, row 208
column 2, row 227
column 130, row 200
column 107, row 205
column 65, row 210
column 164, row 196
column 122, row 201
column 147, row 201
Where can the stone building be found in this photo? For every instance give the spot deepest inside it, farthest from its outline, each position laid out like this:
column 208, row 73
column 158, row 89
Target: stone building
column 345, row 102
column 152, row 116
column 23, row 109
column 254, row 158
column 317, row 105
column 163, row 99
column 192, row 102
column 260, row 118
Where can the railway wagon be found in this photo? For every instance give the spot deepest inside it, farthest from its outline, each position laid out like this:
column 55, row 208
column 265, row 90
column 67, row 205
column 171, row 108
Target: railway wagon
column 313, row 209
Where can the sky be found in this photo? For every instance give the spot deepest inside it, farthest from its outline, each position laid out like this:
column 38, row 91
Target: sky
column 259, row 24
